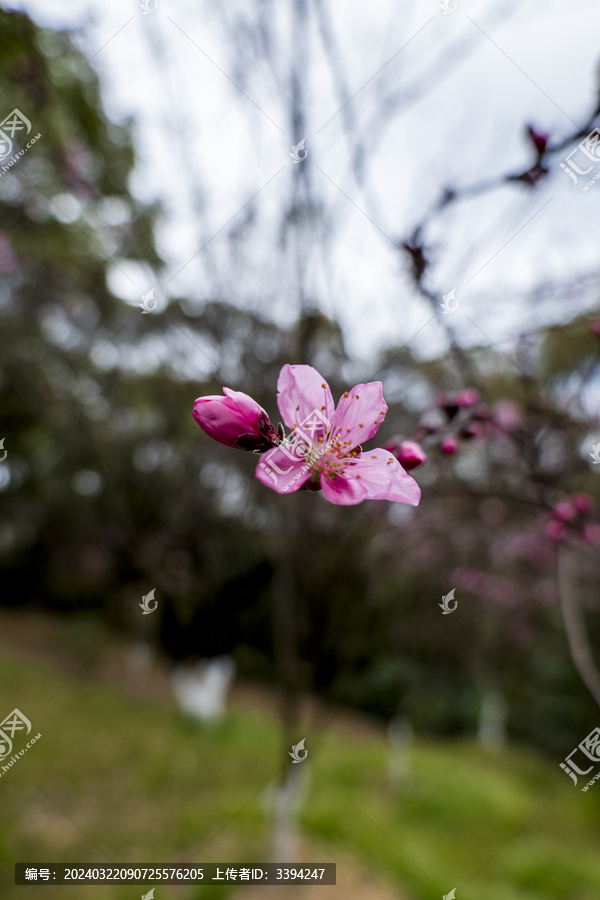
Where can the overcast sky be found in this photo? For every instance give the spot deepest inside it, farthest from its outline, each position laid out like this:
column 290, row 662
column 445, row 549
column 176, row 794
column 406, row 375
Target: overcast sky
column 212, row 131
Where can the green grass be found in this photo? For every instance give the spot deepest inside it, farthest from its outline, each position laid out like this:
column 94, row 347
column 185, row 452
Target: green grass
column 117, row 778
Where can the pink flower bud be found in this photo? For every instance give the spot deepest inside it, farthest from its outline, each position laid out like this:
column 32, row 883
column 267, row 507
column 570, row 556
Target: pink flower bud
column 448, row 403
column 467, row 397
column 481, row 412
column 449, row 445
column 555, row 530
column 408, row 453
column 471, row 430
column 539, row 139
column 595, row 327
column 235, row 420
column 583, row 503
column 564, row 511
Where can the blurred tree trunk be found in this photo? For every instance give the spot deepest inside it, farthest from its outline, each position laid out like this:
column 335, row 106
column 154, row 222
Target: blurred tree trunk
column 493, row 707
column 493, row 713
column 287, row 666
column 400, row 740
column 579, row 645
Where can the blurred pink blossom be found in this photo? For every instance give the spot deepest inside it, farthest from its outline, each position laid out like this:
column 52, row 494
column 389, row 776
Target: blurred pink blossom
column 555, row 529
column 467, row 397
column 591, row 533
column 564, row 511
column 583, row 503
column 507, row 415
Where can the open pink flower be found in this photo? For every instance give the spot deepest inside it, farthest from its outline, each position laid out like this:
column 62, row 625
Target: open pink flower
column 324, row 447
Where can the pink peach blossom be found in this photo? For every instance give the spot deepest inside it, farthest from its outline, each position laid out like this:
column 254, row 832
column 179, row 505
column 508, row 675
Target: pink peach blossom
column 324, row 448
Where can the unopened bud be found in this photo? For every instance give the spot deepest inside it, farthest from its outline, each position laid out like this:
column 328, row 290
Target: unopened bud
column 449, row 445
column 409, row 454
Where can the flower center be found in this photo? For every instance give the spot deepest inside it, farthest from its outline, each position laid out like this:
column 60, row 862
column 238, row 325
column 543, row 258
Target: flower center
column 329, row 456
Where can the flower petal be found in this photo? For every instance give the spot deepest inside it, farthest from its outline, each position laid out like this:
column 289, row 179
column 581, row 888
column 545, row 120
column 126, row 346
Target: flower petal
column 374, row 475
column 360, row 412
column 246, row 404
column 302, row 392
column 281, row 471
